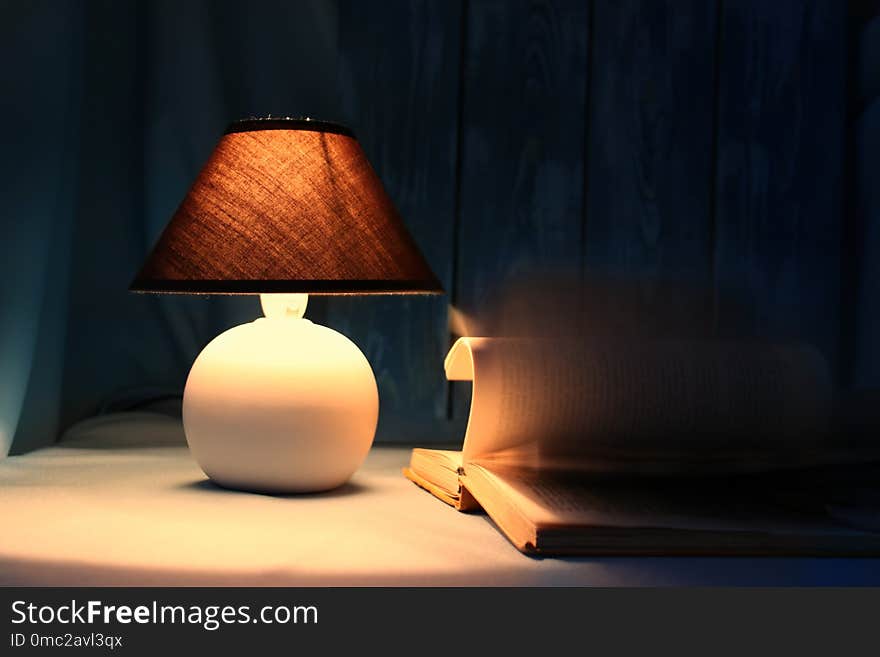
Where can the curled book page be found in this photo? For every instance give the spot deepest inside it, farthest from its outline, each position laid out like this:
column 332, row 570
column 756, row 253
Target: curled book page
column 641, row 405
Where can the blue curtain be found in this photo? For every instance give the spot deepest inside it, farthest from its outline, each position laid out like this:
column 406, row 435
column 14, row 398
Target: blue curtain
column 110, row 109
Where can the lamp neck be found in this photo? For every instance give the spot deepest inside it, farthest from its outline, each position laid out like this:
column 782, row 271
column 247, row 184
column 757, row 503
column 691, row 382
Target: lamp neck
column 284, row 306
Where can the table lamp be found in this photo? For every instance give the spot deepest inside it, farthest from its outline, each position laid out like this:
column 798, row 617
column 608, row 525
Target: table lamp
column 284, row 208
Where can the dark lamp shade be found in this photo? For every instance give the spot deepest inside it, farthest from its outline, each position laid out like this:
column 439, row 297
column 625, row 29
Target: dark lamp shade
column 286, row 205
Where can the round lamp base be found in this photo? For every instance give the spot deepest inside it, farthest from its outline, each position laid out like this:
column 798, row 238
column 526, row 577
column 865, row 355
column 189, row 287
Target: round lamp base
column 280, row 405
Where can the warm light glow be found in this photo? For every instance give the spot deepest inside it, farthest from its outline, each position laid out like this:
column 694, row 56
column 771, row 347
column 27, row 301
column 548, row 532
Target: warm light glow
column 281, row 306
column 459, row 322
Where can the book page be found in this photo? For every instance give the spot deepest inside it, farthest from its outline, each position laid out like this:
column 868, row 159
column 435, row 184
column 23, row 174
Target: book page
column 644, row 405
column 550, row 500
column 437, row 465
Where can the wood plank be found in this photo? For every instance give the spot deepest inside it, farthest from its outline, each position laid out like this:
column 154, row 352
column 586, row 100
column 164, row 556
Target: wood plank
column 105, row 322
column 522, row 161
column 863, row 247
column 866, row 351
column 868, row 65
column 398, row 79
column 780, row 146
column 650, row 158
column 276, row 57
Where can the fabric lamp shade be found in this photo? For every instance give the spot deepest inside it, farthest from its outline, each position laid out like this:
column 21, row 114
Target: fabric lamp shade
column 286, row 206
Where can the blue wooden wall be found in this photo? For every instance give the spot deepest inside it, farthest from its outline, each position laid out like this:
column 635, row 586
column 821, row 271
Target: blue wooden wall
column 863, row 283
column 694, row 141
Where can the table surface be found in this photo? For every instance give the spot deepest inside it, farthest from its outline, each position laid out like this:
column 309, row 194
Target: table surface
column 120, row 502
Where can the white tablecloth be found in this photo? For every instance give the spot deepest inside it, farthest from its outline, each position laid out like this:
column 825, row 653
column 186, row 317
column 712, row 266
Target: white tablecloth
column 120, row 502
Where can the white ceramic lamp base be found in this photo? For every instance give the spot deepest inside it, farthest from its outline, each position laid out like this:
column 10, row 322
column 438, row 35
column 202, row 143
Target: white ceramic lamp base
column 280, row 405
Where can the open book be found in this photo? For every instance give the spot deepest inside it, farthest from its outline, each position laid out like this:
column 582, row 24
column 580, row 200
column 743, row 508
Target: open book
column 653, row 447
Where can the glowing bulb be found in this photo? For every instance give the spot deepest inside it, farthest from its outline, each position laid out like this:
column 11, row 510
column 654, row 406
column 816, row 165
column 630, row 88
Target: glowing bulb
column 284, row 306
